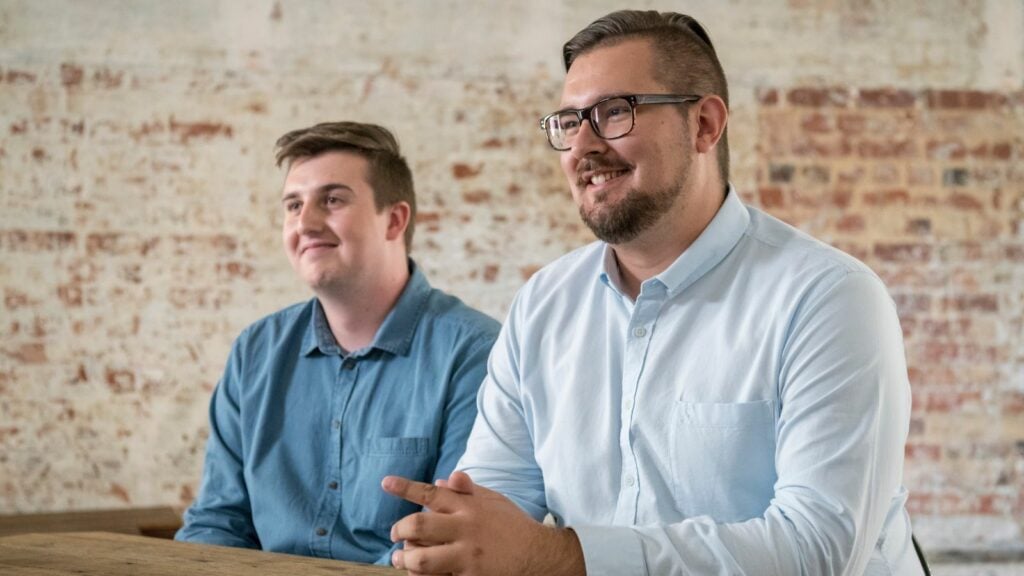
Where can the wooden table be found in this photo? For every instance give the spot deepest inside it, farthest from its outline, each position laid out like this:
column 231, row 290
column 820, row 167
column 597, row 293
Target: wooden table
column 161, row 522
column 107, row 554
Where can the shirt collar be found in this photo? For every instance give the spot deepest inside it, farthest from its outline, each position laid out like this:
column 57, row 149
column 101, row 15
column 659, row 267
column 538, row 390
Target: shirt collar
column 395, row 333
column 711, row 247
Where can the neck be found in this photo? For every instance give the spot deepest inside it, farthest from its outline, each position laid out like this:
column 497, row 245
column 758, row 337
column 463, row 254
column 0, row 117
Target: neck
column 356, row 315
column 656, row 248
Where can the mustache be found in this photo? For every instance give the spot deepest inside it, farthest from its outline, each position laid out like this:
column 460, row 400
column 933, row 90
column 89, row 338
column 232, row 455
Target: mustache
column 597, row 163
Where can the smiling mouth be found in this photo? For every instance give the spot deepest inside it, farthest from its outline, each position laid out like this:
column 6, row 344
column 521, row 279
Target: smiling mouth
column 315, row 246
column 602, row 177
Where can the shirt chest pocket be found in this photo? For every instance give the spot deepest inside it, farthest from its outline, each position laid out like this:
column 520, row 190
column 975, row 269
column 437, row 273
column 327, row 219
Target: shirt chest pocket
column 369, row 507
column 723, row 458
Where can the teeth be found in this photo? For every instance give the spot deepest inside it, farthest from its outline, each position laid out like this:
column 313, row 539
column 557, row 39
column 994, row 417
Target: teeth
column 598, row 179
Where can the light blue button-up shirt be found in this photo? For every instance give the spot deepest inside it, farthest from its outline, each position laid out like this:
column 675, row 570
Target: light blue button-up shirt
column 745, row 415
column 301, row 434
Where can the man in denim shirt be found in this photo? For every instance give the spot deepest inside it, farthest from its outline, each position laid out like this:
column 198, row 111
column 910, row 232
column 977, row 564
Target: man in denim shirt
column 376, row 375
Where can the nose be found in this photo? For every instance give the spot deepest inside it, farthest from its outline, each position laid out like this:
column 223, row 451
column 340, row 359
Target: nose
column 311, row 219
column 587, row 141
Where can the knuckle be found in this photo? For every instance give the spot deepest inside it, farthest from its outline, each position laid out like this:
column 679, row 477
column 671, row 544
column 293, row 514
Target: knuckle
column 429, row 493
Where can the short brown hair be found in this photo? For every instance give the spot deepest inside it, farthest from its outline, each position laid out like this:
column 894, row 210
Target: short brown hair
column 683, row 52
column 389, row 175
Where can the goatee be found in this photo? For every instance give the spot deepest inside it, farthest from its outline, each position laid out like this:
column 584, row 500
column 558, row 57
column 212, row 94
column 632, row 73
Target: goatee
column 624, row 221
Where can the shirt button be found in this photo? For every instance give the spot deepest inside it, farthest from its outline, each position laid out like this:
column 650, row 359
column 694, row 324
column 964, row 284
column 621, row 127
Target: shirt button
column 321, row 531
column 349, row 364
column 333, row 485
column 627, row 405
column 336, row 424
column 640, row 332
column 630, row 481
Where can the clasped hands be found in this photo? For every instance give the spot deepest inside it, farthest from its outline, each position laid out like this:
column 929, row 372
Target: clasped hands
column 466, row 529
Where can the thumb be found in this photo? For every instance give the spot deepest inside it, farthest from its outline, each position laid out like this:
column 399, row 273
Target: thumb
column 461, row 482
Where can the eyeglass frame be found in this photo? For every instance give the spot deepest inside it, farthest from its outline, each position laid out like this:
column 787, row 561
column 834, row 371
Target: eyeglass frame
column 633, row 100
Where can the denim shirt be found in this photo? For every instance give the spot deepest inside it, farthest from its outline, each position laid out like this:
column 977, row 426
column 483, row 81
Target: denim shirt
column 301, row 434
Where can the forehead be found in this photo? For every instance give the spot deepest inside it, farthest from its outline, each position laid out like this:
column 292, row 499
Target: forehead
column 626, row 67
column 336, row 166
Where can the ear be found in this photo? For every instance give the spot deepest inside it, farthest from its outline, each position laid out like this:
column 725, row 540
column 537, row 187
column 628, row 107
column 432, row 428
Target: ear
column 712, row 116
column 398, row 220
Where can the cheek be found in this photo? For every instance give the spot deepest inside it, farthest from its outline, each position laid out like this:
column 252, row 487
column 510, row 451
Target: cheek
column 568, row 162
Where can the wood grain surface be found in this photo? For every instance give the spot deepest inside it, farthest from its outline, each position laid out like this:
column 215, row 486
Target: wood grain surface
column 108, row 554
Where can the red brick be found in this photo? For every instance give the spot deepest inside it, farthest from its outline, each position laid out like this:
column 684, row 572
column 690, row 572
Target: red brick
column 18, row 77
column 886, row 98
column 949, row 149
column 970, row 99
column 71, row 75
column 771, row 197
column 462, row 171
column 886, row 148
column 476, row 196
column 850, row 223
column 491, row 273
column 903, row 252
column 186, row 131
column 919, row 226
column 912, row 303
column 851, row 123
column 36, row 240
column 816, row 123
column 881, row 198
column 818, row 97
column 964, row 202
column 973, row 303
column 928, row 452
column 767, row 96
column 30, row 353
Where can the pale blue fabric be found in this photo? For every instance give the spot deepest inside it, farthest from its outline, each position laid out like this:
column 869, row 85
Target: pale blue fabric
column 301, row 434
column 747, row 414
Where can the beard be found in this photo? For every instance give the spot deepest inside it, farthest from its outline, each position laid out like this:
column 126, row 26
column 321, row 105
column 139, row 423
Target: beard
column 625, row 220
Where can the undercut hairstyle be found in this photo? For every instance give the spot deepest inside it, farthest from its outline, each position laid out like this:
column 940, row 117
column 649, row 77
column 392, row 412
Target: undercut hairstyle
column 388, row 173
column 683, row 55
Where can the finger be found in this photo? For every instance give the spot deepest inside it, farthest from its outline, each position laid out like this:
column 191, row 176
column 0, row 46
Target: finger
column 428, row 495
column 426, row 529
column 433, row 560
column 441, row 483
column 461, row 482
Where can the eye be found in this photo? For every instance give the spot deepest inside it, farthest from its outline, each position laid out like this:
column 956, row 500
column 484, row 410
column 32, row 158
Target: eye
column 569, row 122
column 292, row 206
column 333, row 200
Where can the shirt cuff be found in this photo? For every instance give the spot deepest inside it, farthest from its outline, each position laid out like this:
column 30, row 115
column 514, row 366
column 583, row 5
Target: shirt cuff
column 611, row 551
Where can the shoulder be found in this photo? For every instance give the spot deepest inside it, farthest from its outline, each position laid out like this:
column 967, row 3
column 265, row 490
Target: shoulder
column 800, row 276
column 275, row 326
column 781, row 249
column 566, row 274
column 448, row 312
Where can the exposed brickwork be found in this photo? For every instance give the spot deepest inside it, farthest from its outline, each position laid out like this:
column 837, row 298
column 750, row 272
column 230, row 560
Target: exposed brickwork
column 948, row 248
column 139, row 214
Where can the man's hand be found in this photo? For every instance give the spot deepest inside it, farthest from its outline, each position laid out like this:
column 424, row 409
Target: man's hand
column 469, row 530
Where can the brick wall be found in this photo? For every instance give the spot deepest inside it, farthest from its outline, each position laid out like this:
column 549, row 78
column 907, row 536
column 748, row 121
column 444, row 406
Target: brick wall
column 139, row 213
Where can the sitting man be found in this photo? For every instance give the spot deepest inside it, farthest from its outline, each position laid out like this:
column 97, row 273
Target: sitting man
column 376, row 375
column 704, row 391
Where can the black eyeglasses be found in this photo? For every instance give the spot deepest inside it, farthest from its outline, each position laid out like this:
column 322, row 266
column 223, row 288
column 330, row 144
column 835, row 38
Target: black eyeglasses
column 609, row 118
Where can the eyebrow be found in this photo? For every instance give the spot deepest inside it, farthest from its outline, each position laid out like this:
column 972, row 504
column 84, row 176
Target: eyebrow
column 320, row 190
column 600, row 97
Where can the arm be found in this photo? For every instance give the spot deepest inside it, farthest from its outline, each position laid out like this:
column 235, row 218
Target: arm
column 221, row 513
column 499, row 454
column 844, row 416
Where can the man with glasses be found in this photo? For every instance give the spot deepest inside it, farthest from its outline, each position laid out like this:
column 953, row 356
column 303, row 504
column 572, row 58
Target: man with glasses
column 704, row 391
column 375, row 375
